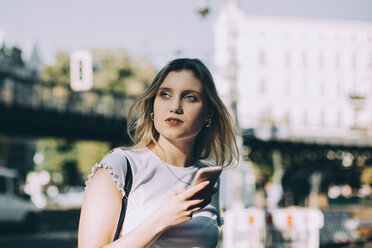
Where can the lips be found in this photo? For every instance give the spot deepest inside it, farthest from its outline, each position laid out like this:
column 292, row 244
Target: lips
column 174, row 121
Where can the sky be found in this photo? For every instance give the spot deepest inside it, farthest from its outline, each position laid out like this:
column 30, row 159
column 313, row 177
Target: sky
column 158, row 29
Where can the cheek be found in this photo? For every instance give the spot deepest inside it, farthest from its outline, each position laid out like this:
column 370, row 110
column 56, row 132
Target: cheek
column 158, row 113
column 157, row 109
column 199, row 121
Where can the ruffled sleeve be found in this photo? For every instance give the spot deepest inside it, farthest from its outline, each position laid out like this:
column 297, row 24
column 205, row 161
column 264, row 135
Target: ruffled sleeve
column 116, row 163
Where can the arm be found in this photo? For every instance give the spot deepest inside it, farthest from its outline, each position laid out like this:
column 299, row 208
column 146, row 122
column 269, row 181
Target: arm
column 100, row 211
column 101, row 208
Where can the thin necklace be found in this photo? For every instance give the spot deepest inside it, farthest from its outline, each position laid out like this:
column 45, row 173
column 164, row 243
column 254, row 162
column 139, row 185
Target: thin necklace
column 166, row 165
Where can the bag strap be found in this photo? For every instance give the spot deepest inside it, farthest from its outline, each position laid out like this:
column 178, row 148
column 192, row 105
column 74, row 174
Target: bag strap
column 124, row 201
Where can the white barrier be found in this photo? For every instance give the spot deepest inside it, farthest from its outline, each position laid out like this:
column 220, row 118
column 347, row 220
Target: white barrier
column 298, row 227
column 255, row 228
column 244, row 228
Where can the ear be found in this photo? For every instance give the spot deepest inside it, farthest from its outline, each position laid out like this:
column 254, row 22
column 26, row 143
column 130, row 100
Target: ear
column 210, row 113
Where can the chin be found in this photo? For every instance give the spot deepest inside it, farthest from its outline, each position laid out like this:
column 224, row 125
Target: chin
column 178, row 136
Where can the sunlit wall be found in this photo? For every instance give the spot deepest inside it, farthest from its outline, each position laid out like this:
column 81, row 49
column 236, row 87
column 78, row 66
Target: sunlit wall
column 309, row 77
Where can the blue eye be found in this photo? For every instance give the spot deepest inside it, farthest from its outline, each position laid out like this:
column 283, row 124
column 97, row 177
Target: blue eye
column 164, row 94
column 191, row 98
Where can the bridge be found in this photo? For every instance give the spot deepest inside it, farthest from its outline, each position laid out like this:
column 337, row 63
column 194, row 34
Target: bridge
column 30, row 108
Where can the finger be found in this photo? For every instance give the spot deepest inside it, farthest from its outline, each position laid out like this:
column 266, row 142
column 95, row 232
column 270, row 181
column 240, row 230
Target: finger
column 195, row 189
column 193, row 203
column 190, row 212
column 207, row 201
column 195, row 210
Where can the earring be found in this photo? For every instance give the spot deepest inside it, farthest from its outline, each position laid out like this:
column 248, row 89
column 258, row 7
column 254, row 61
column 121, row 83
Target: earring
column 208, row 123
column 152, row 116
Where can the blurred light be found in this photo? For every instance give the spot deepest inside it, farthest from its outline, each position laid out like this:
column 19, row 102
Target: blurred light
column 52, row 191
column 38, row 158
column 339, row 154
column 57, row 177
column 331, row 155
column 361, row 160
column 38, row 200
column 365, row 190
column 347, row 161
column 334, row 192
column 44, row 177
column 346, row 190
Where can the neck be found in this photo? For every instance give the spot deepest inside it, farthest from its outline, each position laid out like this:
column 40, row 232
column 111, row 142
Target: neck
column 180, row 154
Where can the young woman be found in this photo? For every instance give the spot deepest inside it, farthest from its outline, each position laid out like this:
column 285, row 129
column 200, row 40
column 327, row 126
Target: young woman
column 180, row 122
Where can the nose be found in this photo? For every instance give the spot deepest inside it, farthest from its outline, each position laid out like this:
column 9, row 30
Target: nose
column 176, row 107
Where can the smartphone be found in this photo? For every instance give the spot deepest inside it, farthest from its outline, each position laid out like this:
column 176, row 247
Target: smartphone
column 207, row 173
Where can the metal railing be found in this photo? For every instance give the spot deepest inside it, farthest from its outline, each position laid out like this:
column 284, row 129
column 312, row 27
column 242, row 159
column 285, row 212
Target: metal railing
column 59, row 97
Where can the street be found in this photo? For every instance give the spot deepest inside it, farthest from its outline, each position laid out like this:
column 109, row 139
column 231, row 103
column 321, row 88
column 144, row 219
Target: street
column 56, row 239
column 57, row 228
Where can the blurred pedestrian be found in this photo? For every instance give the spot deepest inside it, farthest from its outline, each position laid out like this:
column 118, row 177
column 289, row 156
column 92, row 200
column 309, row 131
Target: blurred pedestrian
column 180, row 125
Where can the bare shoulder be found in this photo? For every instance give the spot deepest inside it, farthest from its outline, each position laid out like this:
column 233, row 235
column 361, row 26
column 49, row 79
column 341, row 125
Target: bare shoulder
column 100, row 210
column 102, row 183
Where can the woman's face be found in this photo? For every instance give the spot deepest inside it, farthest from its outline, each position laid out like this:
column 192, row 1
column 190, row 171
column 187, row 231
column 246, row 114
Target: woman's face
column 180, row 107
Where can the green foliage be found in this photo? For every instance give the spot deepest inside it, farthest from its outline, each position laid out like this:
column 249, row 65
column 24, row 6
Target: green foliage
column 59, row 153
column 59, row 72
column 89, row 153
column 264, row 172
column 366, row 176
column 113, row 71
column 118, row 73
column 55, row 153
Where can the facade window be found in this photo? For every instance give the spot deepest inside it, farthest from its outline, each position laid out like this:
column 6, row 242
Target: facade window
column 338, row 87
column 304, row 59
column 337, row 59
column 354, row 60
column 339, row 119
column 262, row 57
column 287, row 87
column 321, row 59
column 353, row 37
column 306, row 118
column 262, row 86
column 288, row 58
column 322, row 121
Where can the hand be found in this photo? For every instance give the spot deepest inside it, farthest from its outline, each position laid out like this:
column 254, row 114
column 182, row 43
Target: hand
column 178, row 205
column 205, row 194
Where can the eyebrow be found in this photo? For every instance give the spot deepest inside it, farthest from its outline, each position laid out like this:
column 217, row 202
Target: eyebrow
column 186, row 91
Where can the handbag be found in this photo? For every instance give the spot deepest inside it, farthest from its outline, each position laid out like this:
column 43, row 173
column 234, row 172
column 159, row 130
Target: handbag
column 124, row 201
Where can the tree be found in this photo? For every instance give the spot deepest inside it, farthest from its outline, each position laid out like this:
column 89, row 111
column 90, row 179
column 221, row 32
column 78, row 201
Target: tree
column 113, row 71
column 117, row 72
column 59, row 72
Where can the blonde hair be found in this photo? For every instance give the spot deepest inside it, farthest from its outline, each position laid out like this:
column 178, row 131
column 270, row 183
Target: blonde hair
column 216, row 143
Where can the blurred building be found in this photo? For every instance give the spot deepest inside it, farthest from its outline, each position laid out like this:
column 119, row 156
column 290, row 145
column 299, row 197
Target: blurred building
column 16, row 152
column 307, row 77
